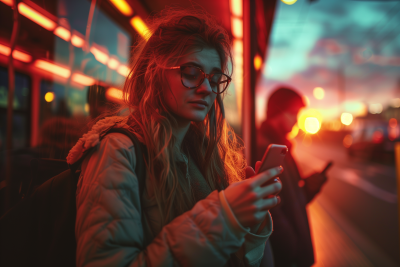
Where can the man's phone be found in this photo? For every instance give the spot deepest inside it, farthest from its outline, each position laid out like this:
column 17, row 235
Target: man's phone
column 273, row 157
column 330, row 163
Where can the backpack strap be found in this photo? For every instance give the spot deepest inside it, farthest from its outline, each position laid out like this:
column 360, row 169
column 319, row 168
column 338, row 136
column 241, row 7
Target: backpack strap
column 140, row 151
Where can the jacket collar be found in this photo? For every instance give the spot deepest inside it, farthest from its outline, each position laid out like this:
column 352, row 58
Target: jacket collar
column 93, row 137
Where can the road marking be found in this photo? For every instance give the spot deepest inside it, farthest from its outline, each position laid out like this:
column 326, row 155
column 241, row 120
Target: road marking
column 351, row 177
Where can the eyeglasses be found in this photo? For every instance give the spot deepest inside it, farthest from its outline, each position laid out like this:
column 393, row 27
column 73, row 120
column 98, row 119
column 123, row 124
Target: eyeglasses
column 192, row 77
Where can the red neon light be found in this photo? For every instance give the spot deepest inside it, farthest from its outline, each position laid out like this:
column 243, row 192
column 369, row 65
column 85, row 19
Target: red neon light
column 237, row 27
column 114, row 93
column 7, row 2
column 5, row 50
column 77, row 39
column 236, row 7
column 113, row 63
column 100, row 56
column 18, row 55
column 36, row 17
column 123, row 7
column 52, row 68
column 123, row 70
column 63, row 33
column 141, row 27
column 21, row 56
column 82, row 79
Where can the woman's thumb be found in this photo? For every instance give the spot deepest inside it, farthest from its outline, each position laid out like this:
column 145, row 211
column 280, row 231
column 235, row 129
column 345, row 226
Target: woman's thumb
column 249, row 172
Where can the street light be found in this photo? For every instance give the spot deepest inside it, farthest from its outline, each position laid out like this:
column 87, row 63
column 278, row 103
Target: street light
column 319, row 93
column 346, row 118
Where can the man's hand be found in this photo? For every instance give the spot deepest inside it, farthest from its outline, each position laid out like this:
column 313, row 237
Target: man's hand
column 313, row 185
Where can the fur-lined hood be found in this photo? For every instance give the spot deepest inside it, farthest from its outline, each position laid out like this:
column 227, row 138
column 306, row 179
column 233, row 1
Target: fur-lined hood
column 92, row 138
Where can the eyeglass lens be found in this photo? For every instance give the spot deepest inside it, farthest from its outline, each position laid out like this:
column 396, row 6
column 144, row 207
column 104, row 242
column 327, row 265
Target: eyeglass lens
column 193, row 77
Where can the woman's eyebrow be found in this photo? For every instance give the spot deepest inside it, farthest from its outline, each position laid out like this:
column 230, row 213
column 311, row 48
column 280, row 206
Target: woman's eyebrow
column 215, row 69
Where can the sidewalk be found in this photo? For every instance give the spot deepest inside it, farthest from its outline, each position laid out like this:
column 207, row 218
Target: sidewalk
column 339, row 244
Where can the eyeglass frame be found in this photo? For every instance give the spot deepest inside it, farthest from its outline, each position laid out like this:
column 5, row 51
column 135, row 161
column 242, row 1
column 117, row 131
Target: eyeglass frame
column 208, row 76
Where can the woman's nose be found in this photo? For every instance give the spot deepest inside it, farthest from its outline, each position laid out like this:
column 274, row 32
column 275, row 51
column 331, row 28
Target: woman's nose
column 205, row 87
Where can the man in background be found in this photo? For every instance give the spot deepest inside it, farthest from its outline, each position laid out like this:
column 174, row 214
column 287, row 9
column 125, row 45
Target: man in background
column 291, row 240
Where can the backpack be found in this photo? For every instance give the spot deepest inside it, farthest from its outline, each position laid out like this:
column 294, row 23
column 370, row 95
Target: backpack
column 40, row 229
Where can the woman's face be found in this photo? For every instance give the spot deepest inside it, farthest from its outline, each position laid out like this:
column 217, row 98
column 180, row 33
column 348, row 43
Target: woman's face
column 183, row 102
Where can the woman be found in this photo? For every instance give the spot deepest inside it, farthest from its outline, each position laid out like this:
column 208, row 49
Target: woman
column 192, row 212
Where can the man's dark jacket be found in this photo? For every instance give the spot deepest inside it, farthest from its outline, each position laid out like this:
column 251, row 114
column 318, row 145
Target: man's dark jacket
column 291, row 239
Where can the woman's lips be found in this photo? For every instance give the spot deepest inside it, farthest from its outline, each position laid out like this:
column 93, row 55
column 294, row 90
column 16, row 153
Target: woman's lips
column 199, row 104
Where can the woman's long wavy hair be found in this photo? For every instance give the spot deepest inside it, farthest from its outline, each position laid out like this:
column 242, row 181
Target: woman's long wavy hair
column 211, row 144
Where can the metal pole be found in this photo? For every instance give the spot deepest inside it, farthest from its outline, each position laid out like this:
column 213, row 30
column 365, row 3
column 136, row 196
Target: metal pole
column 249, row 81
column 10, row 101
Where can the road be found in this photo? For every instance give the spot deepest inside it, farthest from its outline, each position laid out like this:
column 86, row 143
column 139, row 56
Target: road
column 361, row 192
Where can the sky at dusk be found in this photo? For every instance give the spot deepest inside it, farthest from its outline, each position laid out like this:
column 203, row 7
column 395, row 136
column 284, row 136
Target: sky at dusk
column 351, row 49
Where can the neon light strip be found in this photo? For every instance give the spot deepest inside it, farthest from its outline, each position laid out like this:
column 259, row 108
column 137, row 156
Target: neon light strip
column 36, row 17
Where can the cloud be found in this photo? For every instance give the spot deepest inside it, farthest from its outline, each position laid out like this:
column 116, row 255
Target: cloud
column 310, row 43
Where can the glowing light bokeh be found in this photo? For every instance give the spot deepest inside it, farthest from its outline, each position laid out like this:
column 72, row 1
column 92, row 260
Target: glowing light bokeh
column 236, row 7
column 63, row 33
column 312, row 125
column 289, row 2
column 18, row 55
column 356, row 108
column 123, row 7
column 115, row 94
column 139, row 25
column 237, row 27
column 257, row 62
column 52, row 68
column 347, row 141
column 393, row 129
column 293, row 133
column 375, row 108
column 318, row 93
column 99, row 55
column 7, row 2
column 113, row 63
column 5, row 50
column 346, row 118
column 36, row 17
column 123, row 70
column 238, row 47
column 82, row 79
column 77, row 39
column 21, row 56
column 395, row 102
column 49, row 96
column 392, row 123
column 378, row 136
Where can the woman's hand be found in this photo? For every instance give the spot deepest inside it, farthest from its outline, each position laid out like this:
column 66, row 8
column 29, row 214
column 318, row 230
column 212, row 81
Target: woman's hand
column 250, row 200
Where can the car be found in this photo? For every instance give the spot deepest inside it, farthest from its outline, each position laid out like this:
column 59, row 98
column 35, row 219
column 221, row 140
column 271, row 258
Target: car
column 372, row 139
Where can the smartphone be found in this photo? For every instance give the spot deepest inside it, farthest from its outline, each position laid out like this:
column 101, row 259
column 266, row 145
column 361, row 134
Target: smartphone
column 273, row 157
column 330, row 163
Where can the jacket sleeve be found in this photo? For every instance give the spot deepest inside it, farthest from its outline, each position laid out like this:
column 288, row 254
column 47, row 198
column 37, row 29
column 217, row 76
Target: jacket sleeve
column 109, row 229
column 252, row 251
